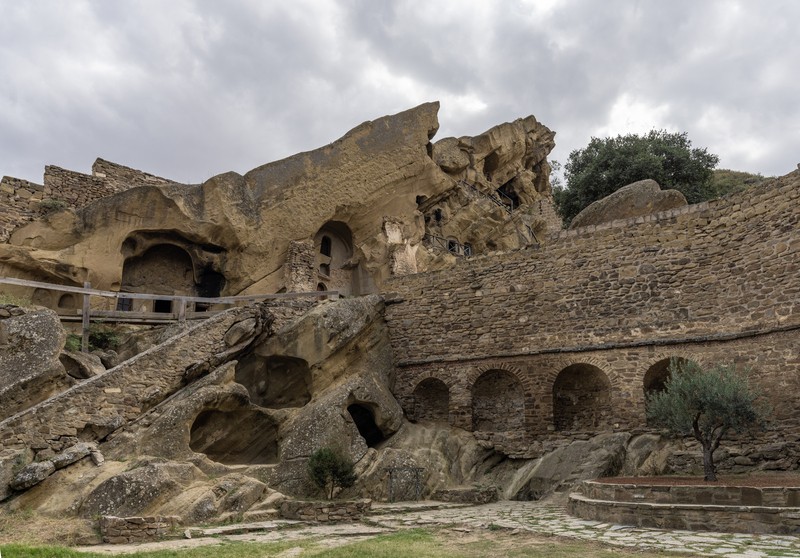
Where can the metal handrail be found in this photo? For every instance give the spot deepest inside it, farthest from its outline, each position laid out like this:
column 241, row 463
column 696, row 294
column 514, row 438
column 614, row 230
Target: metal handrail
column 493, row 197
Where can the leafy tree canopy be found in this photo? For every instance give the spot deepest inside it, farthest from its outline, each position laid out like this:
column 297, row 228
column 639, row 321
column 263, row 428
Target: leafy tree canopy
column 606, row 165
column 706, row 404
column 330, row 469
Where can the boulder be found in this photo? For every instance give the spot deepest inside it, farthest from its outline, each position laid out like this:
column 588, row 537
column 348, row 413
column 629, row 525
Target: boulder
column 30, row 343
column 634, row 200
column 81, row 365
column 32, row 474
column 72, row 454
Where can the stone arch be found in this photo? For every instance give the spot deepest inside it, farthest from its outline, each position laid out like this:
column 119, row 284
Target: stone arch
column 334, row 251
column 161, row 269
column 581, row 397
column 498, row 401
column 67, row 301
column 658, row 373
column 431, row 401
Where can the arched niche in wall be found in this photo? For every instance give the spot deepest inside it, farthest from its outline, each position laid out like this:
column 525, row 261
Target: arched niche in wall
column 498, row 402
column 431, row 401
column 165, row 262
column 333, row 245
column 656, row 377
column 42, row 297
column 67, row 301
column 241, row 437
column 275, row 382
column 581, row 398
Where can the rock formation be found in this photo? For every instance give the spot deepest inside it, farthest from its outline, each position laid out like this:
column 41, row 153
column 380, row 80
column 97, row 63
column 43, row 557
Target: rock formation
column 486, row 347
column 644, row 197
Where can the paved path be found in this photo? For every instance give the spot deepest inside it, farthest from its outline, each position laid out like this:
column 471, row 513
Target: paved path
column 553, row 520
column 535, row 517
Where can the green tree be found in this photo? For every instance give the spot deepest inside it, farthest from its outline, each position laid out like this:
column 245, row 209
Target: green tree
column 606, row 165
column 330, row 469
column 706, row 404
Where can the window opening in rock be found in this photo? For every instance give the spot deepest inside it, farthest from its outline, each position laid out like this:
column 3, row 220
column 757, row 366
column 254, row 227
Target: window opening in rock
column 490, row 164
column 421, row 199
column 508, row 196
column 325, row 269
column 124, row 304
column 437, row 215
column 581, row 398
column 431, row 401
column 275, row 382
column 243, row 437
column 452, row 246
column 67, row 301
column 365, row 422
column 325, row 246
column 467, row 249
column 498, row 402
column 162, row 306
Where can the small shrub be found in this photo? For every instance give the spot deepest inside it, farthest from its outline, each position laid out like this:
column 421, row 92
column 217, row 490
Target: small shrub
column 14, row 300
column 102, row 337
column 51, row 205
column 73, row 343
column 330, row 469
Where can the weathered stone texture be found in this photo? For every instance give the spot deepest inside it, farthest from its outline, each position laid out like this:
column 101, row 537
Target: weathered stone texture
column 325, row 512
column 128, row 530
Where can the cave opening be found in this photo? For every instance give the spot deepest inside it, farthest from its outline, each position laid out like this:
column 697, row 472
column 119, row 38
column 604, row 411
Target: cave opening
column 365, row 422
column 245, row 437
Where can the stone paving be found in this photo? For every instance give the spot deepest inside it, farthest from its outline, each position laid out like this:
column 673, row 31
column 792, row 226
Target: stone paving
column 535, row 517
column 553, row 519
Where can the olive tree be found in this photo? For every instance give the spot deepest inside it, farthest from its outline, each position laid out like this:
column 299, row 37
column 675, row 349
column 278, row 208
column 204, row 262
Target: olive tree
column 706, row 404
column 330, row 469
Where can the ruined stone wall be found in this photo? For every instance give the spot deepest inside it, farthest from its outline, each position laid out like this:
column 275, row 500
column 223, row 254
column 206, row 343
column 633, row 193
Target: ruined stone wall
column 22, row 201
column 119, row 177
column 19, row 203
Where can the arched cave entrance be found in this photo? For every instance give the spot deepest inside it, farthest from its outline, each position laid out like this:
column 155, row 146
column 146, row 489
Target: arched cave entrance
column 245, row 437
column 581, row 398
column 498, row 402
column 431, row 401
column 365, row 423
column 275, row 382
column 334, row 260
column 162, row 269
column 166, row 263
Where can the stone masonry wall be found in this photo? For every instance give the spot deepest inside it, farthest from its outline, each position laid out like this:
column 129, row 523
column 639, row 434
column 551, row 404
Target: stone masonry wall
column 131, row 530
column 718, row 268
column 717, row 282
column 22, row 201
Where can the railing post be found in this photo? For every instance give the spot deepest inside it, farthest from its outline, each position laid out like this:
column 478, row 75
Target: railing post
column 85, row 319
column 182, row 311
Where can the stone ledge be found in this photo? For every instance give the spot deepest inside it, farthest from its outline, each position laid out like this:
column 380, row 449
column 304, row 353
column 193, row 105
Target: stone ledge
column 692, row 517
column 124, row 530
column 325, row 512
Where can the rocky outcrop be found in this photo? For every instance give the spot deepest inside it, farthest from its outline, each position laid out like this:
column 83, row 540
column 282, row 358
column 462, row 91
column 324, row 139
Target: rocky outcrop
column 30, row 343
column 634, row 200
column 383, row 191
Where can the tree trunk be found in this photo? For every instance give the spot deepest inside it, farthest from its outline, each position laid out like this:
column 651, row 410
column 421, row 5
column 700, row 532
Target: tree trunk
column 708, row 463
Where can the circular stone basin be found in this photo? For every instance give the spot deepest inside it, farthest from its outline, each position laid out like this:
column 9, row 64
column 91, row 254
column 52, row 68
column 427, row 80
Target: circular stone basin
column 754, row 504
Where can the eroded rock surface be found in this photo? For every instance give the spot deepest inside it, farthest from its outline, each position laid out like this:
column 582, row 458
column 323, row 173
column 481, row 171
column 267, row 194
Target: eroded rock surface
column 634, row 200
column 30, row 343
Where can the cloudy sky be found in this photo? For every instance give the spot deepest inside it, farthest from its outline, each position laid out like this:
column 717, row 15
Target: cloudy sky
column 190, row 88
